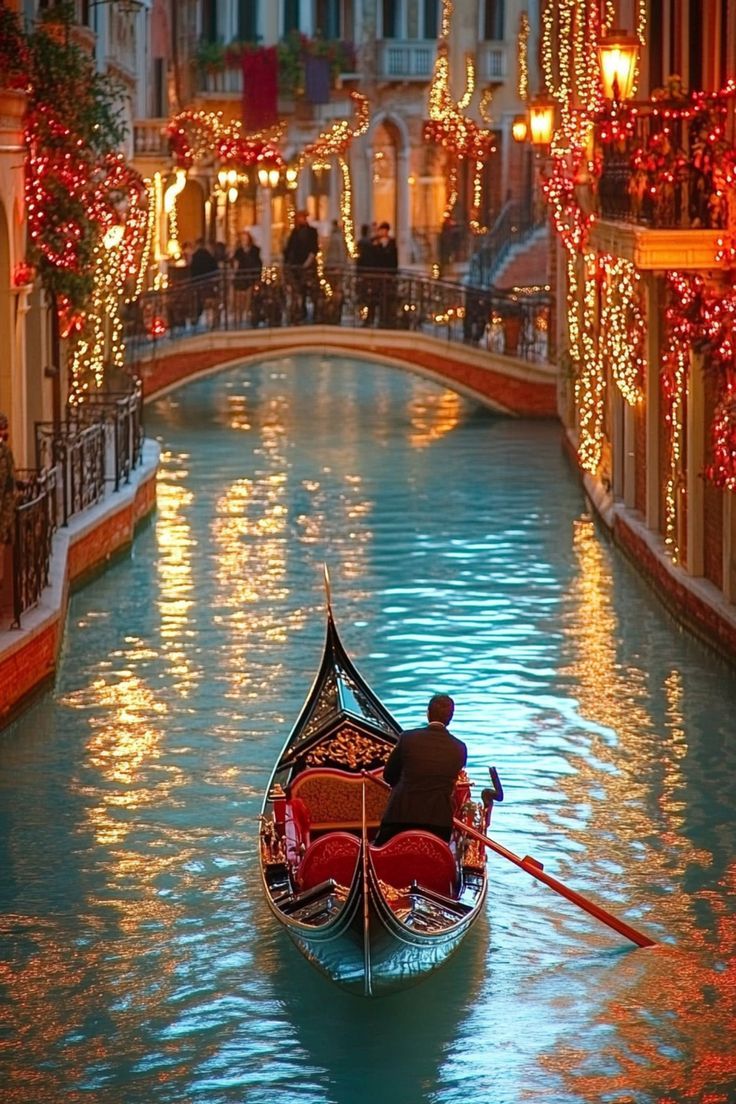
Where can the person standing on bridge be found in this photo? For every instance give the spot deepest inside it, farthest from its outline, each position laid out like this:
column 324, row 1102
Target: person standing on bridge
column 300, row 264
column 386, row 261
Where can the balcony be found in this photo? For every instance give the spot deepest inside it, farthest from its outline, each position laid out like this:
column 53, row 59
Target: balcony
column 405, row 61
column 150, row 138
column 492, row 62
column 660, row 195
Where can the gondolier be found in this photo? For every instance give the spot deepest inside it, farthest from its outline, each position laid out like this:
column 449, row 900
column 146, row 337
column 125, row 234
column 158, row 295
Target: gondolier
column 423, row 769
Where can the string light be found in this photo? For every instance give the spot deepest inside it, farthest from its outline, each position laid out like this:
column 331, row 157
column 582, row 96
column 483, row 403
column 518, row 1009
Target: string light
column 622, row 326
column 523, row 58
column 448, row 127
column 346, row 208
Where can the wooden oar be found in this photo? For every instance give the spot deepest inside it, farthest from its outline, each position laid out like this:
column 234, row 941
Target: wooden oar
column 531, row 866
column 535, row 868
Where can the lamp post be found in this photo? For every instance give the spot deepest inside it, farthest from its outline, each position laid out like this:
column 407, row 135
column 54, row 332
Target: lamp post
column 618, row 53
column 228, row 182
column 520, row 133
column 268, row 178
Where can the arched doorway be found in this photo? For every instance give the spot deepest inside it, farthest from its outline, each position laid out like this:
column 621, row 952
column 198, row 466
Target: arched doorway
column 385, row 165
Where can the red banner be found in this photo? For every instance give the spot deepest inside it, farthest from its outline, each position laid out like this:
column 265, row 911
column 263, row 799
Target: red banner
column 260, row 88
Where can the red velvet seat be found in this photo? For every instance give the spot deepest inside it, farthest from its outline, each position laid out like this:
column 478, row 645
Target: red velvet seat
column 333, row 855
column 416, row 857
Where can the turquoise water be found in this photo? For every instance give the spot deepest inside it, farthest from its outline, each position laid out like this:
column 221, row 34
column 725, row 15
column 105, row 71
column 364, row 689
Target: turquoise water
column 138, row 962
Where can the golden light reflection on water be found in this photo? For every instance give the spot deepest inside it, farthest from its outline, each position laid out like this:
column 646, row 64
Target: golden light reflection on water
column 631, row 784
column 176, row 543
column 674, row 1011
column 432, row 416
column 635, row 802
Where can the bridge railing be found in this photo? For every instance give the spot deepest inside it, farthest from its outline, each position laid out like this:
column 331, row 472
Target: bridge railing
column 505, row 323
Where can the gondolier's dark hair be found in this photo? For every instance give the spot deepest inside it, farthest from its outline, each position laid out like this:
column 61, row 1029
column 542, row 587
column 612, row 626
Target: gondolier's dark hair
column 440, row 708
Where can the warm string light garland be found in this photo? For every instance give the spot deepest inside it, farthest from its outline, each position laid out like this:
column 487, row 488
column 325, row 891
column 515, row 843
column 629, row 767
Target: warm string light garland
column 523, row 58
column 674, row 377
column 335, row 142
column 590, row 384
column 450, row 128
column 622, row 326
column 88, row 221
column 722, row 470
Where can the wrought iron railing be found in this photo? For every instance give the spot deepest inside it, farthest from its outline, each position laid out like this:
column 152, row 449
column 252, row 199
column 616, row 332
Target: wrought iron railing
column 78, row 453
column 663, row 168
column 514, row 225
column 508, row 324
column 120, row 413
column 97, row 446
column 36, row 521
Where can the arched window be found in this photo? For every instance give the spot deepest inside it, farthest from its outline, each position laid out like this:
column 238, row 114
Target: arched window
column 493, row 20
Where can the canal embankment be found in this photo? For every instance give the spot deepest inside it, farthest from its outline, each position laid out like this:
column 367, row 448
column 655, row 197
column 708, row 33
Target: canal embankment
column 86, row 545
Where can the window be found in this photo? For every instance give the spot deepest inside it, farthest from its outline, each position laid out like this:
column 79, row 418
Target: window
column 291, row 17
column 391, row 19
column 209, row 20
column 431, row 18
column 248, row 20
column 159, row 89
column 493, row 21
column 327, row 23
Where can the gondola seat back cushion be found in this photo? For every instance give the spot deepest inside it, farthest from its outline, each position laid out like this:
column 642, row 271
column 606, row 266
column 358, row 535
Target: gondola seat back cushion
column 334, row 799
column 416, row 857
column 333, row 855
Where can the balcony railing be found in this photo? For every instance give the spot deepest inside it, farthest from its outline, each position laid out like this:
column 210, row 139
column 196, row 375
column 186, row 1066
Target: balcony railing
column 406, row 60
column 662, row 170
column 150, row 138
column 492, row 64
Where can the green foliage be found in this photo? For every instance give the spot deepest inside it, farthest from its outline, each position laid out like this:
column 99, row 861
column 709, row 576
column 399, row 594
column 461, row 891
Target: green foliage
column 63, row 77
column 210, row 57
column 13, row 51
column 74, row 121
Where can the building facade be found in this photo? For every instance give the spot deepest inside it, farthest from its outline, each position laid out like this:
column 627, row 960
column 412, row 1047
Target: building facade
column 200, row 54
column 641, row 193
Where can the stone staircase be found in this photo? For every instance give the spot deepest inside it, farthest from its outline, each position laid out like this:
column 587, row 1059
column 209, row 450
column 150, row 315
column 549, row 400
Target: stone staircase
column 526, row 264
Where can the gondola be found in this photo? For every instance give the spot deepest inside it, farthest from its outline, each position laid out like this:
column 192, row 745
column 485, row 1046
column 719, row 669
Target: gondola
column 374, row 919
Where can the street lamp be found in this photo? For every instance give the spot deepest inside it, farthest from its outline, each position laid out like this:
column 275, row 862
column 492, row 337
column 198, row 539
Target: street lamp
column 520, row 134
column 268, row 177
column 519, row 128
column 541, row 120
column 618, row 53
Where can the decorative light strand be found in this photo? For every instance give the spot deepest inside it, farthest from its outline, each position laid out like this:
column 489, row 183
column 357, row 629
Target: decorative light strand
column 523, row 58
column 622, row 326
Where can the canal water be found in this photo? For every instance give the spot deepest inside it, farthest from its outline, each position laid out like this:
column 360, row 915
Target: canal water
column 138, row 962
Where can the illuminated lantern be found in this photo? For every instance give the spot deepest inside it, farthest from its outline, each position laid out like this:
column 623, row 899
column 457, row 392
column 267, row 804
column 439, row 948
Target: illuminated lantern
column 519, row 128
column 618, row 52
column 541, row 120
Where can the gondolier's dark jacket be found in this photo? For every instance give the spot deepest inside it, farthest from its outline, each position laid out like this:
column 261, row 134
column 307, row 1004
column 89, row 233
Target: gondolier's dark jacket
column 422, row 769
